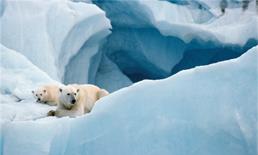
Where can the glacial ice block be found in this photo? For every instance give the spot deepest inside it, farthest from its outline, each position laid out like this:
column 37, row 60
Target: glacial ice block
column 205, row 110
column 50, row 33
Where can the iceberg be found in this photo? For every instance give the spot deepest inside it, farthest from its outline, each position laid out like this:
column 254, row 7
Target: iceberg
column 156, row 39
column 204, row 110
column 58, row 33
column 163, row 60
column 72, row 42
column 18, row 78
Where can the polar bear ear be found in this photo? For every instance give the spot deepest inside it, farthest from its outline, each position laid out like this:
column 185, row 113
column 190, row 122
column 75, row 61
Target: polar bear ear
column 60, row 90
column 78, row 90
column 44, row 91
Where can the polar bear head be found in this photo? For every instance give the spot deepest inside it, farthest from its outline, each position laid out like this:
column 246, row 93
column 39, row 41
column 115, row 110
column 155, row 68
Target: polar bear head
column 69, row 96
column 40, row 94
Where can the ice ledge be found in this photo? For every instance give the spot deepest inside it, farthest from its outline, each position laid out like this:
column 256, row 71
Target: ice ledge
column 205, row 109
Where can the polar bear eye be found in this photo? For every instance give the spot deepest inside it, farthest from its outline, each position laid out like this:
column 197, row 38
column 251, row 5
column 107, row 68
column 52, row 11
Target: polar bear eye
column 40, row 94
column 68, row 93
column 75, row 94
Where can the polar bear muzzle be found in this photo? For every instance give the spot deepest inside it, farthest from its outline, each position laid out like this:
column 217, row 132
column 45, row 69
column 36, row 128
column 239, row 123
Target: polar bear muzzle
column 73, row 101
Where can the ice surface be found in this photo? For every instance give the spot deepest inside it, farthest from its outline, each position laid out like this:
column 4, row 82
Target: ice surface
column 149, row 40
column 155, row 39
column 206, row 110
column 55, row 31
column 110, row 76
column 170, row 23
column 209, row 110
column 19, row 74
column 18, row 78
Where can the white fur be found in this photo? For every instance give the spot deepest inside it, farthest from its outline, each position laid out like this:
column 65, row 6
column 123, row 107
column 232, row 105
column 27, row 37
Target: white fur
column 85, row 97
column 48, row 94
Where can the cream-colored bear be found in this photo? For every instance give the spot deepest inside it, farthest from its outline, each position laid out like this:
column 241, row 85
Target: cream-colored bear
column 48, row 94
column 76, row 100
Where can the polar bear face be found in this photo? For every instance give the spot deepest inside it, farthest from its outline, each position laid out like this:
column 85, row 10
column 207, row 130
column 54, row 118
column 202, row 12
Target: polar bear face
column 68, row 96
column 40, row 95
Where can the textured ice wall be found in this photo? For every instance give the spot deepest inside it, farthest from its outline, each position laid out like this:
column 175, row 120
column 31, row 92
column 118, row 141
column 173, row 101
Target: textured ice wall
column 155, row 39
column 149, row 40
column 51, row 33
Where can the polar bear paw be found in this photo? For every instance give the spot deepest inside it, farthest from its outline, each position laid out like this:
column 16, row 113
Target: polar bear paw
column 51, row 113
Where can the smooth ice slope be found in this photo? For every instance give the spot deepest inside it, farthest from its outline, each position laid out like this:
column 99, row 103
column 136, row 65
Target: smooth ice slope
column 207, row 110
column 50, row 33
column 18, row 78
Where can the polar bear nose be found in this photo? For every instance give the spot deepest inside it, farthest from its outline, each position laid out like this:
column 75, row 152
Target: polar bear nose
column 73, row 101
column 38, row 100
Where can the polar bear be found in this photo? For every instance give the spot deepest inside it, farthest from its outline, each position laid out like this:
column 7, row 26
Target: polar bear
column 48, row 94
column 76, row 100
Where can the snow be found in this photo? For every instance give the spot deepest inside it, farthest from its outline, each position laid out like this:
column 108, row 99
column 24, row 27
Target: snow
column 18, row 78
column 19, row 75
column 149, row 40
column 156, row 39
column 204, row 65
column 170, row 23
column 204, row 110
column 55, row 30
